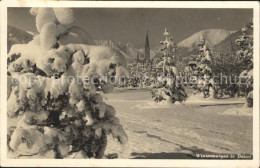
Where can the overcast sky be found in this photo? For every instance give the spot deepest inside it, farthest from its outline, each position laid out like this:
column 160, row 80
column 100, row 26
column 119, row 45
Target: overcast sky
column 130, row 25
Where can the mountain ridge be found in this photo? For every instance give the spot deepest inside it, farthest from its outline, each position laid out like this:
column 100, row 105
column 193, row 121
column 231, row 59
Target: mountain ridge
column 212, row 37
column 17, row 36
column 216, row 38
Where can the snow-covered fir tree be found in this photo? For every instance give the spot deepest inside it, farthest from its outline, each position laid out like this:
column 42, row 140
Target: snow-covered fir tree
column 203, row 71
column 170, row 87
column 52, row 86
column 245, row 53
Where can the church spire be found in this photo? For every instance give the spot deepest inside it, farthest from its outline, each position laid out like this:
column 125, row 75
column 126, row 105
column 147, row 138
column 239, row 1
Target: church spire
column 147, row 48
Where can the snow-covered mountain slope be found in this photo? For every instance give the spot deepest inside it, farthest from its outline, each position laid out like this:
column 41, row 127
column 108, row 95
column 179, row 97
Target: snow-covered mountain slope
column 212, row 36
column 228, row 44
column 127, row 49
column 32, row 33
column 153, row 51
column 132, row 50
column 109, row 43
column 17, row 36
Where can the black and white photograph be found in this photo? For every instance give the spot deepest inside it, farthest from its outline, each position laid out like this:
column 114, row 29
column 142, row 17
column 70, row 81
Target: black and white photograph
column 133, row 82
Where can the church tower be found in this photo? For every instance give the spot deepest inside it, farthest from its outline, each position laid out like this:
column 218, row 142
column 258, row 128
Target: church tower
column 147, row 48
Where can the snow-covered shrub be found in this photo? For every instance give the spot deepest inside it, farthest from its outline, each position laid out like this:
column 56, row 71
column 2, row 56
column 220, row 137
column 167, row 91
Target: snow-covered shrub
column 52, row 86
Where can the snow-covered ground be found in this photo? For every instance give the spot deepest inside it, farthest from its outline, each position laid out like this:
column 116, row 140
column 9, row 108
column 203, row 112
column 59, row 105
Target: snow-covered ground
column 180, row 130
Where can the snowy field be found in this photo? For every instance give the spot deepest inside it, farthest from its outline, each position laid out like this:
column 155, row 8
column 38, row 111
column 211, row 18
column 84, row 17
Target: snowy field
column 177, row 131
